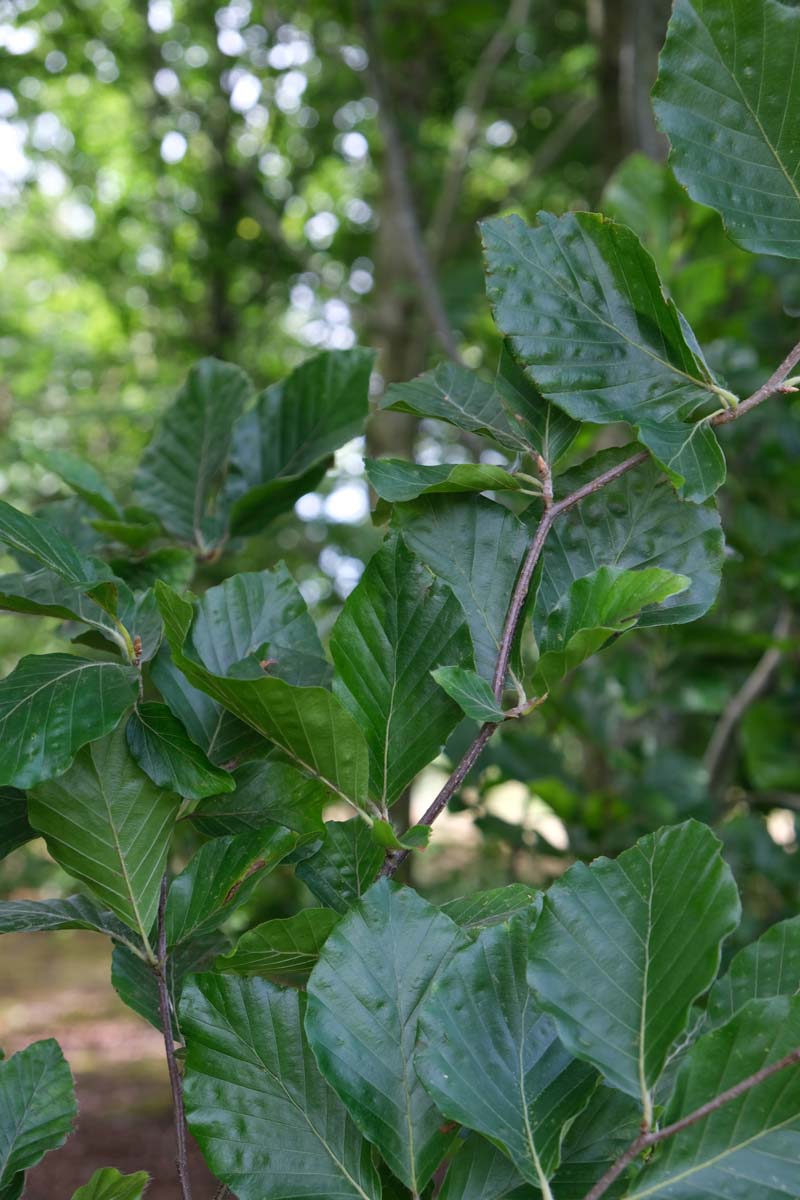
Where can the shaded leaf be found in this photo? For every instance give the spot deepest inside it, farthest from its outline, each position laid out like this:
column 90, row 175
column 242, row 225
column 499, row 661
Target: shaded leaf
column 580, row 300
column 490, row 907
column 637, row 521
column 364, row 997
column 471, row 692
column 748, row 1147
column 309, row 724
column 51, row 705
column 281, row 947
column 136, row 984
column 397, row 625
column 282, row 447
column 81, row 476
column 545, row 428
column 220, row 877
column 266, row 792
column 476, row 546
column 394, row 479
column 46, row 594
column 165, row 752
column 345, row 865
column 37, row 1107
column 596, row 607
column 266, row 1121
column 183, row 465
column 727, row 97
column 15, row 829
column 109, row 1184
column 107, row 824
column 480, row 1171
column 130, row 533
column 611, row 959
column 766, row 968
column 492, row 1060
column 174, row 564
column 76, row 912
column 37, row 539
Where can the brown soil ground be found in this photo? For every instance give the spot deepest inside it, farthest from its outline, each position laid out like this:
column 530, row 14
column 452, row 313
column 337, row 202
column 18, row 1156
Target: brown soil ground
column 58, row 985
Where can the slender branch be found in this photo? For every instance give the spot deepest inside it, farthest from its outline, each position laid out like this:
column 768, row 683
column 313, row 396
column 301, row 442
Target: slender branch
column 754, row 686
column 467, row 121
column 773, row 384
column 430, row 292
column 165, row 1007
column 645, row 1140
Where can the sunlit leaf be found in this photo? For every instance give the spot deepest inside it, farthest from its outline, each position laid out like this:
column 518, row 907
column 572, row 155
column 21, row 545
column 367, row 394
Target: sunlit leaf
column 109, row 1184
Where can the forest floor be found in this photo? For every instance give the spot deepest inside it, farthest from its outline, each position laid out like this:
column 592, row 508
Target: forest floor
column 59, row 986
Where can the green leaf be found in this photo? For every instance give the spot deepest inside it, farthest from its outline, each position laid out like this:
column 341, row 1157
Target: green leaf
column 76, row 912
column 415, row 838
column 727, row 97
column 174, row 564
column 109, row 1184
column 107, row 824
column 375, row 970
column 454, row 394
column 471, row 692
column 345, row 865
column 53, row 704
column 281, row 947
column 623, row 949
column 182, row 467
column 81, row 476
column 220, row 877
column 281, row 448
column 266, row 792
column 479, row 1171
column 164, row 751
column 308, row 724
column 492, row 1061
column 477, row 547
column 266, row 1121
column 766, row 968
column 130, row 533
column 396, row 625
column 546, row 429
column 748, row 1147
column 596, row 607
column 46, row 594
column 637, row 521
column 15, row 829
column 260, row 614
column 37, row 1107
column 587, row 316
column 136, row 983
column 394, row 479
column 38, row 539
column 482, row 909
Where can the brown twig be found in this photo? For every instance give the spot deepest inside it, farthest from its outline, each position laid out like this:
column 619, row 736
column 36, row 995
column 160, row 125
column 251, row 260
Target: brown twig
column 430, row 293
column 651, row 1138
column 165, row 1008
column 552, row 511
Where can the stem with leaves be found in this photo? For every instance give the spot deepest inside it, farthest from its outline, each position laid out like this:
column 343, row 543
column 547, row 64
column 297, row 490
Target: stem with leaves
column 551, row 512
column 165, row 1008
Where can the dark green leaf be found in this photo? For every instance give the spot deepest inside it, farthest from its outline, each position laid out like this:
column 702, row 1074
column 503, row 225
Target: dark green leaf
column 81, row 476
column 38, row 539
column 281, row 447
column 394, row 479
column 727, row 96
column 308, row 724
column 769, row 741
column 471, row 692
column 129, row 533
column 109, row 1184
column 581, row 302
column 479, row 1171
column 488, row 908
column 260, row 614
column 375, row 970
column 769, row 967
column 396, row 626
column 281, row 947
column 477, row 547
column 596, row 607
column 137, row 986
column 492, row 1060
column 345, row 865
column 174, row 564
column 76, row 912
column 220, row 877
column 267, row 1122
column 747, row 1148
column 546, row 429
column 15, row 829
column 53, row 704
column 637, row 521
column 46, row 594
column 623, row 948
column 386, row 835
column 107, row 824
column 165, row 752
column 599, row 1134
column 37, row 1107
column 184, row 463
column 266, row 792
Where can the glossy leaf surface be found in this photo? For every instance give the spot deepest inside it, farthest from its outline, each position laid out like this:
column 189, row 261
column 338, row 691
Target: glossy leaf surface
column 344, row 866
column 281, row 947
column 37, row 1107
column 766, row 968
column 166, row 753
